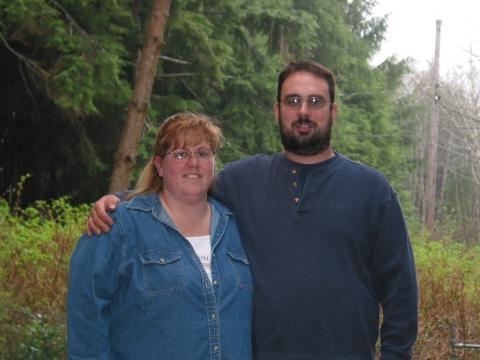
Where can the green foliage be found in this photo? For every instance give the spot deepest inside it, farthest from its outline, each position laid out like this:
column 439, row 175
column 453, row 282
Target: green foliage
column 74, row 85
column 36, row 243
column 448, row 275
column 442, row 261
column 64, row 54
column 69, row 67
column 65, row 67
column 35, row 246
column 31, row 336
column 226, row 58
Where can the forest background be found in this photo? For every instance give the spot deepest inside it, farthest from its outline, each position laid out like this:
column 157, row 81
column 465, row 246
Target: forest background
column 68, row 70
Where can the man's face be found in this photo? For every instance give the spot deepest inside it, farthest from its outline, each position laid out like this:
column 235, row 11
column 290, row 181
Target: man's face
column 305, row 130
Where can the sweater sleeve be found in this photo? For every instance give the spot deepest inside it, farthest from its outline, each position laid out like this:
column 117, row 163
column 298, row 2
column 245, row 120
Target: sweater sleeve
column 93, row 278
column 122, row 195
column 219, row 189
column 395, row 282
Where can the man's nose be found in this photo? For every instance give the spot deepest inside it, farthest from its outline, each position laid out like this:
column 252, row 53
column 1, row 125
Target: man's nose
column 304, row 108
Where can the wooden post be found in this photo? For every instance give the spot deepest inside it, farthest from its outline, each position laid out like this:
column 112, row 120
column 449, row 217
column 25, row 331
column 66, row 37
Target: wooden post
column 431, row 176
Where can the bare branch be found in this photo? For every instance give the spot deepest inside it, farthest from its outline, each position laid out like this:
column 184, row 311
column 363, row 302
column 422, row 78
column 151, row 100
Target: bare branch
column 191, row 91
column 175, row 75
column 167, row 58
column 70, row 18
column 29, row 63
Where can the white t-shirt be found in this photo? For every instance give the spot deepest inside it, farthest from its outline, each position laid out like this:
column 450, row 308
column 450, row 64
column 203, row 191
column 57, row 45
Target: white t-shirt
column 203, row 248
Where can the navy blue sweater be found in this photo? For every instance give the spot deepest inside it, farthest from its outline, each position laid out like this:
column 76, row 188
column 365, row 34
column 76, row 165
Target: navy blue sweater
column 325, row 256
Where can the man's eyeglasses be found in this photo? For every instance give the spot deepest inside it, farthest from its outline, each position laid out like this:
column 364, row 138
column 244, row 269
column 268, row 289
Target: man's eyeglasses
column 185, row 154
column 295, row 102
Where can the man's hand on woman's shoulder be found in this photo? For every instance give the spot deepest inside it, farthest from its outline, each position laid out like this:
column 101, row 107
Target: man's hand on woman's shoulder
column 99, row 220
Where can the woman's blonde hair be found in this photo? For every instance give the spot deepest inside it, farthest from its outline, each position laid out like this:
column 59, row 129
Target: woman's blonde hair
column 178, row 130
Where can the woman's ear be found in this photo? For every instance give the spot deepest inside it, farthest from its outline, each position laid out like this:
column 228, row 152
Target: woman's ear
column 158, row 164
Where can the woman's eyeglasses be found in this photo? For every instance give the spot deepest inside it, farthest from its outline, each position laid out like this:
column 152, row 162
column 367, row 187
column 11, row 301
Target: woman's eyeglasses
column 185, row 154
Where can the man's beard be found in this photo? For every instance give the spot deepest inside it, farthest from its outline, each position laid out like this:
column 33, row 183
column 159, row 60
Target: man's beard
column 307, row 145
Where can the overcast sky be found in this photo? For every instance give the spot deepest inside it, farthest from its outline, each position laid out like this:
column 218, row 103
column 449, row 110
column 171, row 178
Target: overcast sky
column 411, row 31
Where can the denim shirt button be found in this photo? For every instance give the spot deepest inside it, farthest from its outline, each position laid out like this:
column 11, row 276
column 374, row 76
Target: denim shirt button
column 215, row 282
column 213, row 317
column 215, row 347
column 162, row 260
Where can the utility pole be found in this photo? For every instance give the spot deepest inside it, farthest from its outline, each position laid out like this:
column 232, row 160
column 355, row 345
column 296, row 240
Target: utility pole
column 431, row 176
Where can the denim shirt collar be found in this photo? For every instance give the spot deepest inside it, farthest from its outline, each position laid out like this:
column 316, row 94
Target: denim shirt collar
column 151, row 203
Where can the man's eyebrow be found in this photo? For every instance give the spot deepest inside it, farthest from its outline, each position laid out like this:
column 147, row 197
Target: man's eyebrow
column 308, row 96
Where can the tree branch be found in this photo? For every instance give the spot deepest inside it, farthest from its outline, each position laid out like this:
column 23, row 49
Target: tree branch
column 70, row 18
column 178, row 61
column 24, row 59
column 176, row 75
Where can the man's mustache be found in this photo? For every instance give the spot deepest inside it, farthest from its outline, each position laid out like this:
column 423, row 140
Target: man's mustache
column 302, row 121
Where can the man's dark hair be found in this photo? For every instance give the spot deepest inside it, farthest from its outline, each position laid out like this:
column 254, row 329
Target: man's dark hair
column 312, row 67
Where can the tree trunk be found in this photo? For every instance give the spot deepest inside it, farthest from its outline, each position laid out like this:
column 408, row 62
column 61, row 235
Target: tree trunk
column 125, row 156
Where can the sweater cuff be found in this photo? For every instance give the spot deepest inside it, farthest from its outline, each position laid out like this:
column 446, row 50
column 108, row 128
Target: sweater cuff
column 388, row 355
column 121, row 194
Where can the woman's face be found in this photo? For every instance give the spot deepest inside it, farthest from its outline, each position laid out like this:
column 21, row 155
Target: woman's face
column 187, row 177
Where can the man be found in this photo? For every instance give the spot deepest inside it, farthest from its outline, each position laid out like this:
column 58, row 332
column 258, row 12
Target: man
column 325, row 236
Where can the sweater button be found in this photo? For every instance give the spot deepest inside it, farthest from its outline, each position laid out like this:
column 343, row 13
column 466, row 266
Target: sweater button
column 296, row 200
column 294, row 171
column 295, row 184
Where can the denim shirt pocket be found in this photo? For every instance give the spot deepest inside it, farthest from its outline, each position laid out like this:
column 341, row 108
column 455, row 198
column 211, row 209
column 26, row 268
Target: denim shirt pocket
column 241, row 268
column 163, row 271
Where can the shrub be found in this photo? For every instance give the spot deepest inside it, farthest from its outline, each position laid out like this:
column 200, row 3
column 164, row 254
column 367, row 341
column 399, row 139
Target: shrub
column 35, row 247
column 449, row 275
column 36, row 243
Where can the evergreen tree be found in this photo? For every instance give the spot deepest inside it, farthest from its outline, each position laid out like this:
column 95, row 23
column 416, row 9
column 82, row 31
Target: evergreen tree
column 71, row 66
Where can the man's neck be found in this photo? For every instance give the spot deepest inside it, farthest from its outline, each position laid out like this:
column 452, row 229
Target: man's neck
column 311, row 159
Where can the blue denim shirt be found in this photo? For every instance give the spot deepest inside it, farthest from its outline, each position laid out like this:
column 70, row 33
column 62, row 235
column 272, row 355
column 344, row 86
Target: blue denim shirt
column 141, row 292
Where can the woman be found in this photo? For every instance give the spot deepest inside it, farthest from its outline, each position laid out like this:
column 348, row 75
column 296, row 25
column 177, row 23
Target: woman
column 171, row 279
